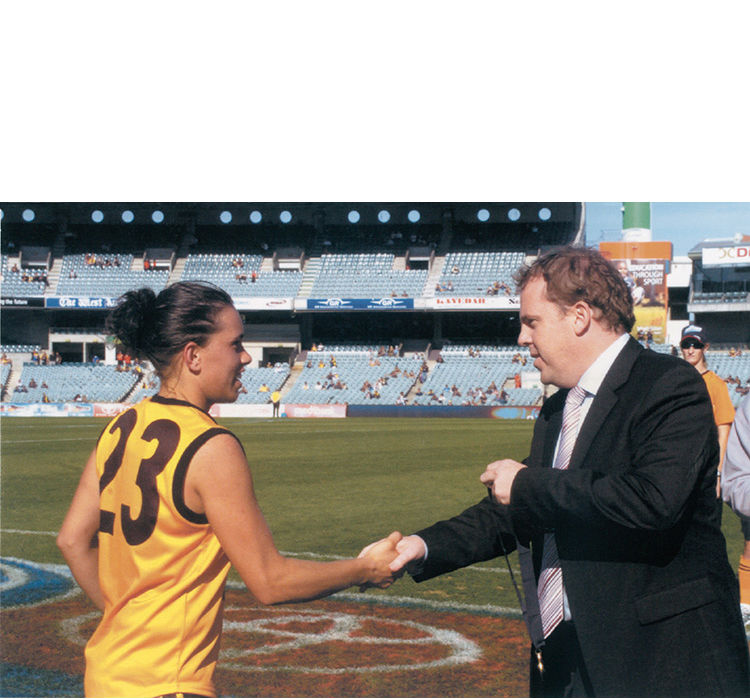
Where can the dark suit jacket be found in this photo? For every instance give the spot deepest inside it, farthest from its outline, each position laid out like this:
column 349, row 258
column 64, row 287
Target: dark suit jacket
column 637, row 525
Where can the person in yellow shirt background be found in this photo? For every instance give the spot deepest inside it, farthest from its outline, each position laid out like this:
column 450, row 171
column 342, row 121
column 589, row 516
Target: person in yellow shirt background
column 276, row 400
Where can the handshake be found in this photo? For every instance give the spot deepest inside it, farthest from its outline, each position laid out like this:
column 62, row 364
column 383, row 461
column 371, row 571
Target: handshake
column 390, row 558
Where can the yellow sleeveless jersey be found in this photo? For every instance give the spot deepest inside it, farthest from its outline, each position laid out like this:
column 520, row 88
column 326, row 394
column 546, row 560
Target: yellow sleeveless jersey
column 161, row 568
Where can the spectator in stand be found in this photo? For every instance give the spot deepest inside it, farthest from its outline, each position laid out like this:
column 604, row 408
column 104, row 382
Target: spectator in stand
column 276, row 401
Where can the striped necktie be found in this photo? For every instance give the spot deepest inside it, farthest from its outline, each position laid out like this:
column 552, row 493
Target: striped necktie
column 550, row 588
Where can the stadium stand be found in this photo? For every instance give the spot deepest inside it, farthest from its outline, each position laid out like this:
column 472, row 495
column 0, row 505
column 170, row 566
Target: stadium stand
column 479, row 273
column 95, row 274
column 21, row 281
column 478, row 375
column 353, row 375
column 365, row 275
column 258, row 384
column 73, row 383
column 241, row 275
column 317, row 251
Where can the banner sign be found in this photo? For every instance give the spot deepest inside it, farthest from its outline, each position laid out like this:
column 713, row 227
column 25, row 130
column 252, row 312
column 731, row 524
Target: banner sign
column 464, row 303
column 263, row 304
column 46, row 409
column 315, row 410
column 22, row 302
column 388, row 304
column 86, row 302
column 735, row 255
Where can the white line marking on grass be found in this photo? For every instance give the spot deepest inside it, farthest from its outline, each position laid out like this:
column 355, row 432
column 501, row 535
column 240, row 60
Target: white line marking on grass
column 24, row 531
column 44, row 441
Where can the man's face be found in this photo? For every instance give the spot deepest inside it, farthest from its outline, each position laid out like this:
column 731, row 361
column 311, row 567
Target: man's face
column 693, row 351
column 549, row 335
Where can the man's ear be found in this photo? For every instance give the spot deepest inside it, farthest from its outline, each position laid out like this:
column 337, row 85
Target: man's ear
column 191, row 356
column 583, row 316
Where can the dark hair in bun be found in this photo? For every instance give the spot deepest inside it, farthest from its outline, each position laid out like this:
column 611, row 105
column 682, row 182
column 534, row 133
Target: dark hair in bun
column 156, row 327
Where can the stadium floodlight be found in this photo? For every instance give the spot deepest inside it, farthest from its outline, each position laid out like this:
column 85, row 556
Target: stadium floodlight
column 545, row 214
column 384, row 216
column 285, row 217
column 353, row 216
column 28, row 215
column 226, row 216
column 157, row 216
column 414, row 216
column 514, row 214
column 97, row 216
column 128, row 216
column 483, row 215
column 256, row 217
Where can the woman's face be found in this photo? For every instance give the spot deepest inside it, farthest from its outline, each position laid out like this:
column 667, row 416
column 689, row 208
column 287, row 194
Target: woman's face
column 224, row 358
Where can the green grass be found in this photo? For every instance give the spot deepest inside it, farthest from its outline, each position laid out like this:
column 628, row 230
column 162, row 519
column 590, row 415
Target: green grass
column 327, row 487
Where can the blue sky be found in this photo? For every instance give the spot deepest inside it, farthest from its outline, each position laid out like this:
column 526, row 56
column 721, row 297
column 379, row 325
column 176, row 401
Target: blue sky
column 684, row 224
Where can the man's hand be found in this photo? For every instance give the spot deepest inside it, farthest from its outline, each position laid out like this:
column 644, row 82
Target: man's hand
column 409, row 549
column 381, row 554
column 499, row 476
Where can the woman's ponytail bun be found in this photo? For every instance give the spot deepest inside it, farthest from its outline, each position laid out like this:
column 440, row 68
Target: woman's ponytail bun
column 131, row 323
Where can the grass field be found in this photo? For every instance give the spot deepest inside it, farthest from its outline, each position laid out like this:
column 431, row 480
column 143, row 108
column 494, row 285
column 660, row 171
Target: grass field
column 327, row 488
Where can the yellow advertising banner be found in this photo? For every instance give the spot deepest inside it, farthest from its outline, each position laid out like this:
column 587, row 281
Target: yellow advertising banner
column 643, row 266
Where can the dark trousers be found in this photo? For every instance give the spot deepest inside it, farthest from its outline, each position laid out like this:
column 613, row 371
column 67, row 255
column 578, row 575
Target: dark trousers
column 564, row 673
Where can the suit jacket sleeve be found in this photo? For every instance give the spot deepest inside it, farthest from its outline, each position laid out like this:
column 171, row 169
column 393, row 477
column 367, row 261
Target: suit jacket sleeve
column 480, row 533
column 646, row 448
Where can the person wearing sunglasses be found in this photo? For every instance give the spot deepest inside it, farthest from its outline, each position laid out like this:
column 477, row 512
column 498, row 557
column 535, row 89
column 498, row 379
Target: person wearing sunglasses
column 694, row 344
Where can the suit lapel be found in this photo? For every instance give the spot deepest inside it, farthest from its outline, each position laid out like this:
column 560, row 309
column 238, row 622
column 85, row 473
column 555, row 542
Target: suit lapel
column 605, row 399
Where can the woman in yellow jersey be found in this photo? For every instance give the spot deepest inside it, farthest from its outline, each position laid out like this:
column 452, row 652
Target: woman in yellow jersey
column 166, row 504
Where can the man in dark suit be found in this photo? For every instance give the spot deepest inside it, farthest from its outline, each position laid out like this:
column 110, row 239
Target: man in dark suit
column 629, row 591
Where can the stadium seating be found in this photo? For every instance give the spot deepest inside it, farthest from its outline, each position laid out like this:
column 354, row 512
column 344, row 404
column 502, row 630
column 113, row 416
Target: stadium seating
column 82, row 382
column 365, row 276
column 465, row 379
column 14, row 283
column 268, row 378
column 476, row 273
column 240, row 275
column 330, row 377
column 106, row 275
column 721, row 297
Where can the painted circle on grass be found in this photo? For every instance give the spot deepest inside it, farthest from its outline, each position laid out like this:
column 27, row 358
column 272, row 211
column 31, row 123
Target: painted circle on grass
column 311, row 641
column 26, row 584
column 322, row 643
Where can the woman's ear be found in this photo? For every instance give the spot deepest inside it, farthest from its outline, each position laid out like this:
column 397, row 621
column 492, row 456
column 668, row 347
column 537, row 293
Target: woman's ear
column 191, row 356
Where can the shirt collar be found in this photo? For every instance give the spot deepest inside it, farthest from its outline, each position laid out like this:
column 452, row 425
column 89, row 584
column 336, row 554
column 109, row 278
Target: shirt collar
column 592, row 378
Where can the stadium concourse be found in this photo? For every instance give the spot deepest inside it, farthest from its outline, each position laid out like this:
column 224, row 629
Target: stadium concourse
column 368, row 308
